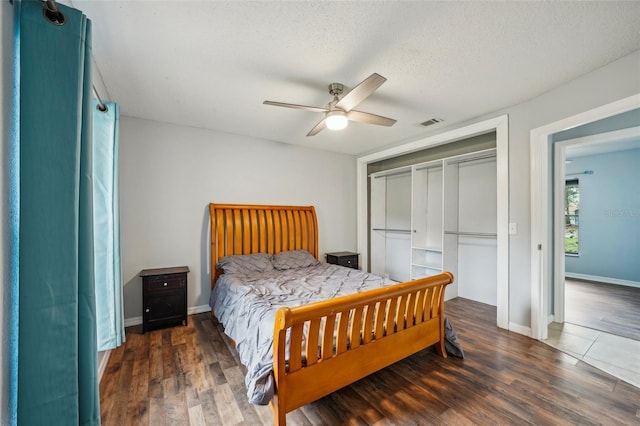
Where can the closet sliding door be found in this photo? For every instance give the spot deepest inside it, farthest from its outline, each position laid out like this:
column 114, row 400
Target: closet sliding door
column 477, row 229
column 391, row 225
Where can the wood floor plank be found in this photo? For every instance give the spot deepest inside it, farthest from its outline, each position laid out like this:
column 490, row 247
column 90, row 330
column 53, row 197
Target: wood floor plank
column 196, row 417
column 605, row 307
column 227, row 406
column 209, row 408
column 194, row 378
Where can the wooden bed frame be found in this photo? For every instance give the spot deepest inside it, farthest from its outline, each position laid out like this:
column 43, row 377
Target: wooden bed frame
column 347, row 338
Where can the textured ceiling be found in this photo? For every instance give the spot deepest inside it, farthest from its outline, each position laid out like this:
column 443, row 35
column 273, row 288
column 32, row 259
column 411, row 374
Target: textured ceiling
column 210, row 64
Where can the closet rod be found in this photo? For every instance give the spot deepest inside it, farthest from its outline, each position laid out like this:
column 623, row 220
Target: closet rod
column 401, row 231
column 473, row 234
column 466, row 160
column 394, row 173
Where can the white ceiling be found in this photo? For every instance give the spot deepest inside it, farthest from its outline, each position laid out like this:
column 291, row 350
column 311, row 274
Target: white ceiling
column 210, row 64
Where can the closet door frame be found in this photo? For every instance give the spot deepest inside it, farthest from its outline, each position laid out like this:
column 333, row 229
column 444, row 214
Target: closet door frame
column 501, row 127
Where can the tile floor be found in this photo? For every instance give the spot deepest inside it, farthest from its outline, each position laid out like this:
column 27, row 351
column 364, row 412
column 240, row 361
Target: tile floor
column 616, row 355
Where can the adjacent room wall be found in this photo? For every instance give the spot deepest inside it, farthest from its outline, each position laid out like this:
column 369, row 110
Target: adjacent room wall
column 609, row 216
column 6, row 44
column 169, row 174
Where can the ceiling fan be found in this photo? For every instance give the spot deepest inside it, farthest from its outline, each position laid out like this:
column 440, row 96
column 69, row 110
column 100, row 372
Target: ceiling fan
column 338, row 112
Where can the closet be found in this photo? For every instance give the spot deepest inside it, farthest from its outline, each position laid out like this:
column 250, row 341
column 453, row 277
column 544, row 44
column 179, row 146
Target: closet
column 391, row 224
column 435, row 216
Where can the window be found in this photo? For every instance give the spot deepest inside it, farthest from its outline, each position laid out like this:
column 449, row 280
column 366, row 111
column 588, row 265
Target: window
column 571, row 215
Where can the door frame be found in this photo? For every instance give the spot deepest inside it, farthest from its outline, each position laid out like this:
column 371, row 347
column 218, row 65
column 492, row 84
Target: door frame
column 498, row 124
column 543, row 271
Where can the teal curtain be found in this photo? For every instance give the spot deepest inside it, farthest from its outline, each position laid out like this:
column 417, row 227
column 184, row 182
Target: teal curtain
column 106, row 224
column 57, row 365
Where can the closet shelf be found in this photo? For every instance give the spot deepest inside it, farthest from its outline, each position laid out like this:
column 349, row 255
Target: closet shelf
column 433, row 249
column 473, row 234
column 434, row 267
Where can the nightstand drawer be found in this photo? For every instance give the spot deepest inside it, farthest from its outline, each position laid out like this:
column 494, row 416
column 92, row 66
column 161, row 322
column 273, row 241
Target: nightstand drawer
column 348, row 261
column 164, row 282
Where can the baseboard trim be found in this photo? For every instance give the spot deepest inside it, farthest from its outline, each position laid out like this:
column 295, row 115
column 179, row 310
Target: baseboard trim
column 520, row 329
column 128, row 322
column 605, row 280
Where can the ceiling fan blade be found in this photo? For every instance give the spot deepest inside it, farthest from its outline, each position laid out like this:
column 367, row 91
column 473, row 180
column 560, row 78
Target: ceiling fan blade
column 365, row 117
column 318, row 127
column 361, row 92
column 295, row 106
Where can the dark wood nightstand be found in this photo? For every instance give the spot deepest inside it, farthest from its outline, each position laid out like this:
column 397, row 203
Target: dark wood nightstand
column 343, row 258
column 164, row 297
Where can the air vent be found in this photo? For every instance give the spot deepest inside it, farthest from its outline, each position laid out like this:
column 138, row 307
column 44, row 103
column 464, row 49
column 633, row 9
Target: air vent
column 432, row 121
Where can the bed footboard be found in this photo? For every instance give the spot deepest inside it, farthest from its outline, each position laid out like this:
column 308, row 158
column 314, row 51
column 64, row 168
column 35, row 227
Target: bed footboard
column 334, row 343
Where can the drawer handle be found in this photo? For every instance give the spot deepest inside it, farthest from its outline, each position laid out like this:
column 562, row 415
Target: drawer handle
column 147, row 309
column 165, row 284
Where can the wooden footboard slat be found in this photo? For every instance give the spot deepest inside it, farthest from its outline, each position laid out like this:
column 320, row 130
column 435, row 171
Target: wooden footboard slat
column 295, row 358
column 356, row 327
column 401, row 313
column 381, row 309
column 390, row 318
column 327, row 336
column 410, row 306
column 419, row 307
column 367, row 333
column 311, row 351
column 342, row 336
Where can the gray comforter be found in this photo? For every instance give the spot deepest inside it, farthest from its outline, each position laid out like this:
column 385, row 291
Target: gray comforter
column 246, row 304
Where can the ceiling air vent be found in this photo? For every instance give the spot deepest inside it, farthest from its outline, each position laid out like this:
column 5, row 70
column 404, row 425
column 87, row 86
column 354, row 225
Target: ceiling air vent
column 432, row 121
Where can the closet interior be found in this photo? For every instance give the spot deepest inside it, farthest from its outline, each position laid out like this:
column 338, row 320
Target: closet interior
column 438, row 215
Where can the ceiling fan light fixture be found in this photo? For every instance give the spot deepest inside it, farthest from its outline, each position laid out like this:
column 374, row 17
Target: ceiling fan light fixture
column 336, row 120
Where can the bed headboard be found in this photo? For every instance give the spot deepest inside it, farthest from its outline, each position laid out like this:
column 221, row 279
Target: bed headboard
column 244, row 229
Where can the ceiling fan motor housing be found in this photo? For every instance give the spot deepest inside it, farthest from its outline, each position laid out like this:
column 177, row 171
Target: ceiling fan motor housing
column 336, row 89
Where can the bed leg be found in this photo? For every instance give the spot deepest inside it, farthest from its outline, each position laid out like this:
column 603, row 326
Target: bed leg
column 440, row 349
column 279, row 415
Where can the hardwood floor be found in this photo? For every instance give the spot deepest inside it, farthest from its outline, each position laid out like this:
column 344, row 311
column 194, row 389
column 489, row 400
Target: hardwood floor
column 191, row 376
column 610, row 308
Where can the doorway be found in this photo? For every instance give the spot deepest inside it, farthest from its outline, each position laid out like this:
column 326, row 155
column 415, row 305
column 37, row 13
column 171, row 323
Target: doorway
column 547, row 268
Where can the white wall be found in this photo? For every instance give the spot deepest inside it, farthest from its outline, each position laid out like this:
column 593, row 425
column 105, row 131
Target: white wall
column 169, row 174
column 6, row 43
